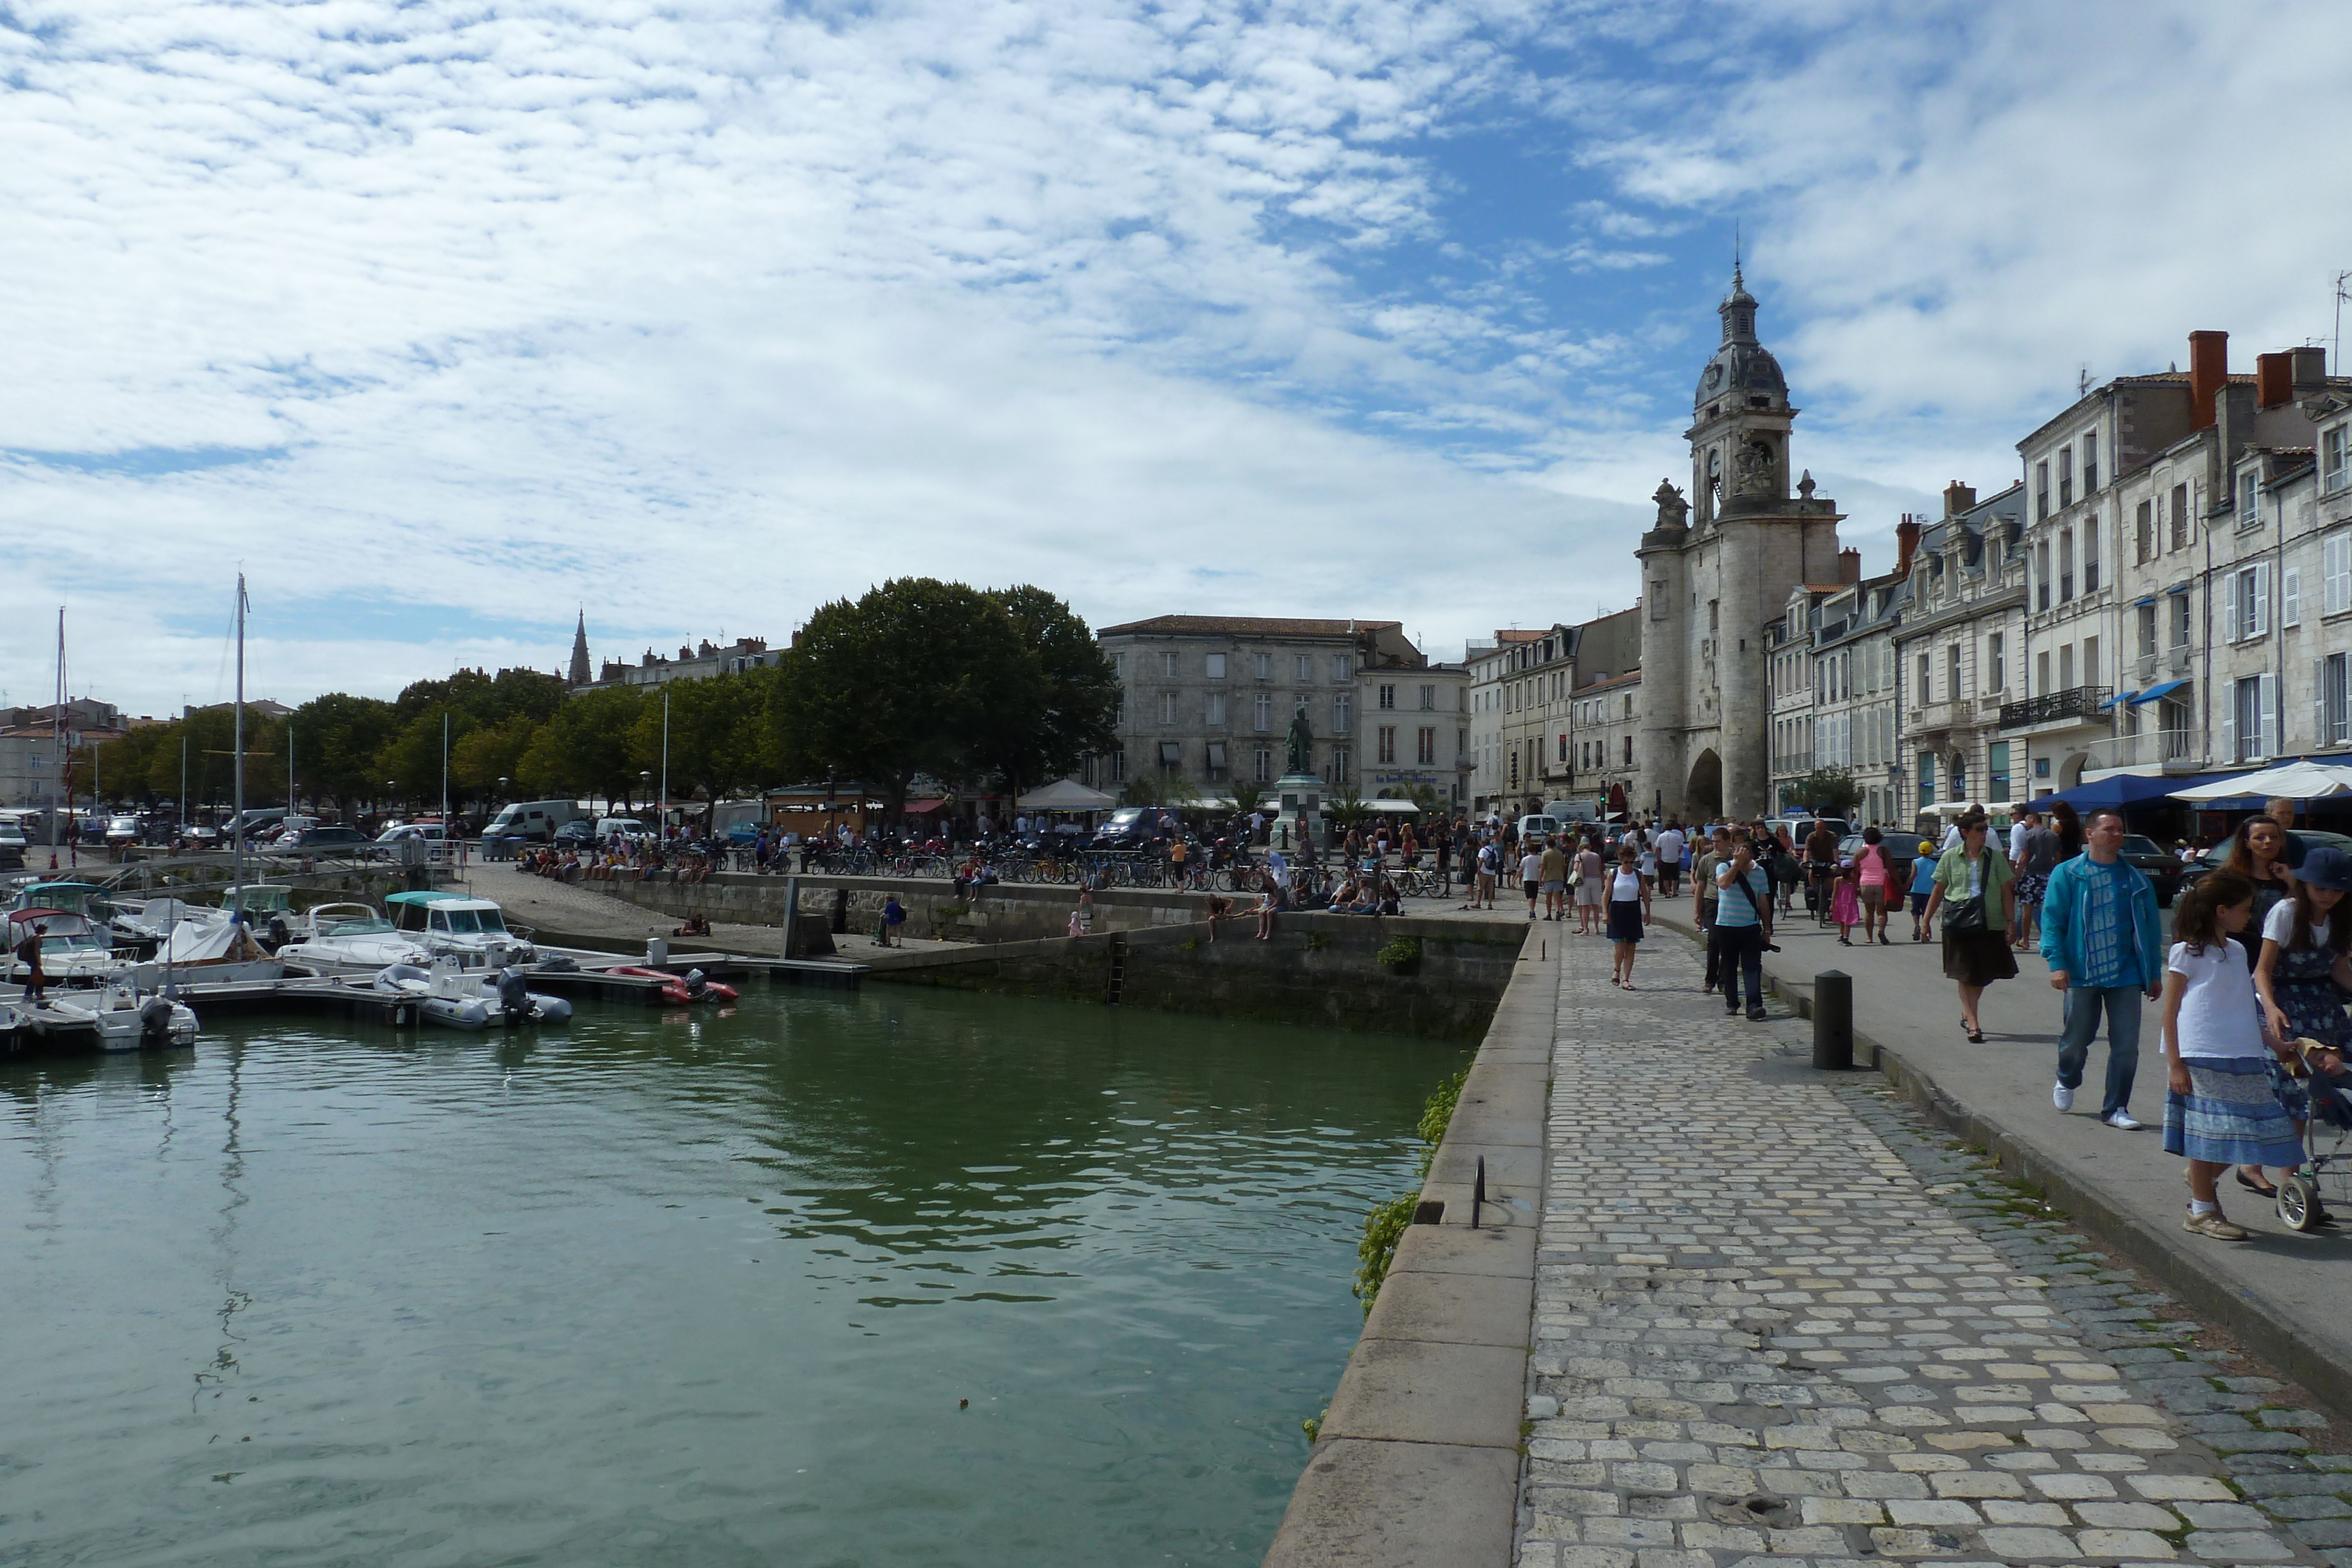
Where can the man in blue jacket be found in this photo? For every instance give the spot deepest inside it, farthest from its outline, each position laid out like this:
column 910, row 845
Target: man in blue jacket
column 2106, row 948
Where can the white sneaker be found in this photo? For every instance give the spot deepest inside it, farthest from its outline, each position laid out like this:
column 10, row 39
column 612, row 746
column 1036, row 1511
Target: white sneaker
column 2123, row 1122
column 2062, row 1097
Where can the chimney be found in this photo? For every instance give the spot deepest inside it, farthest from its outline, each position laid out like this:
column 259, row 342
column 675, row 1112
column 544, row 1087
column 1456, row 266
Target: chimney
column 1849, row 566
column 2274, row 380
column 1907, row 535
column 2310, row 369
column 1958, row 498
column 2209, row 372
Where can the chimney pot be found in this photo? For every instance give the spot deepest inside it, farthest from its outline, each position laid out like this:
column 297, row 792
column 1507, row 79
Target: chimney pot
column 2310, row 373
column 1907, row 544
column 2209, row 372
column 1849, row 565
column 1958, row 498
column 2274, row 380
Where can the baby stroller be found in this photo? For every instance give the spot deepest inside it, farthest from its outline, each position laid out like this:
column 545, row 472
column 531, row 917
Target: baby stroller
column 2325, row 1178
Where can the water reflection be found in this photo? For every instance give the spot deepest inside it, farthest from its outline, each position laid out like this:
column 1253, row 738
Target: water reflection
column 641, row 1291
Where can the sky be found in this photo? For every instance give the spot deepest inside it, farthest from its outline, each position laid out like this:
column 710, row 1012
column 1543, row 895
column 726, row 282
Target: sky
column 446, row 319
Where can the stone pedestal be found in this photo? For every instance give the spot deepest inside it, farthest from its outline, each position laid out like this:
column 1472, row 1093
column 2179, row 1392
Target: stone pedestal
column 1301, row 798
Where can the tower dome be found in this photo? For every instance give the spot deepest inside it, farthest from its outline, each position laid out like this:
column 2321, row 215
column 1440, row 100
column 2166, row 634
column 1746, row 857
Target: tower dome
column 1742, row 369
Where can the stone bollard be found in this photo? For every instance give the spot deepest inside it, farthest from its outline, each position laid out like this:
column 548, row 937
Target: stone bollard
column 1833, row 1020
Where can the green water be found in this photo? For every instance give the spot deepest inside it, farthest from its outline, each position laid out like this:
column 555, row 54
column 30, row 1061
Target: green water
column 683, row 1291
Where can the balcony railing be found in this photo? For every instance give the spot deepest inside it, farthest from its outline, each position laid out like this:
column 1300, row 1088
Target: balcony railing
column 2075, row 701
column 2175, row 750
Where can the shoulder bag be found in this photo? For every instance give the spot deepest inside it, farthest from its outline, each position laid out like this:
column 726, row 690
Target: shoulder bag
column 1962, row 915
column 1763, row 926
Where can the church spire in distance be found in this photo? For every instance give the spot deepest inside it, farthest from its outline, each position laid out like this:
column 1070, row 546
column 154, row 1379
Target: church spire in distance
column 580, row 673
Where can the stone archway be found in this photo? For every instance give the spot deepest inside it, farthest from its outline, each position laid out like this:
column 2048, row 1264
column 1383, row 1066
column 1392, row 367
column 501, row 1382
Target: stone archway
column 1703, row 795
column 2070, row 772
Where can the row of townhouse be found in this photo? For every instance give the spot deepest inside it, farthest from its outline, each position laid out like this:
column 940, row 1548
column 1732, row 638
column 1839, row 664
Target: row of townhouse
column 2166, row 590
column 1553, row 716
column 1210, row 700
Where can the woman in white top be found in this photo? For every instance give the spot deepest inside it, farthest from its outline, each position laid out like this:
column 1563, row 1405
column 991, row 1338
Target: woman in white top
column 2218, row 1046
column 1629, row 910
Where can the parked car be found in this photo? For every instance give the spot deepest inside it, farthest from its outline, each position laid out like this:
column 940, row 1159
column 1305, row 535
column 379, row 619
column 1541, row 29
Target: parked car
column 2209, row 863
column 743, row 835
column 575, row 835
column 324, row 840
column 1137, row 827
column 1538, row 830
column 2159, row 865
column 1902, row 850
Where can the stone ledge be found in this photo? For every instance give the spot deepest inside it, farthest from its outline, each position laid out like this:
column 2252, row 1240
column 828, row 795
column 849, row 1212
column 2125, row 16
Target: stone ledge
column 1419, row 1460
column 1400, row 1505
column 1433, row 1391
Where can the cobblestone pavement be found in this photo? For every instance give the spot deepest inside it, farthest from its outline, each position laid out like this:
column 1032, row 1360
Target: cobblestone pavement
column 1778, row 1319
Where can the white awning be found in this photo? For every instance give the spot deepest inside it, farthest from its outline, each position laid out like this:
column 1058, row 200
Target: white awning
column 1066, row 795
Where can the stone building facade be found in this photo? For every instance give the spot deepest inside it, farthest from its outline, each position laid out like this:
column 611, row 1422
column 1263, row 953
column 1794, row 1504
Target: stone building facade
column 1209, row 699
column 1717, row 570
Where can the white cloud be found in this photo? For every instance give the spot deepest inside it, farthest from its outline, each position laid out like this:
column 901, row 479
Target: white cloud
column 705, row 314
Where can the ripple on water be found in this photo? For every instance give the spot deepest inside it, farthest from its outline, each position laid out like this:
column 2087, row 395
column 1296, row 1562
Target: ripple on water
column 641, row 1289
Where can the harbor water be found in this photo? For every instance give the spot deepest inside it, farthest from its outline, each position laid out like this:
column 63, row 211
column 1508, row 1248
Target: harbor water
column 680, row 1289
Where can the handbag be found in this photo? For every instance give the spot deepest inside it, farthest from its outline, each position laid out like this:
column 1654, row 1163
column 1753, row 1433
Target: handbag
column 1965, row 914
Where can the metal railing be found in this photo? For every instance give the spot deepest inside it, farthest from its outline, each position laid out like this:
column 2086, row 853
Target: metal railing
column 2075, row 701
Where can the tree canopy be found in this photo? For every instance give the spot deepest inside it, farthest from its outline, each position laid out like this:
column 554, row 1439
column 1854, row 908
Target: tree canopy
column 915, row 678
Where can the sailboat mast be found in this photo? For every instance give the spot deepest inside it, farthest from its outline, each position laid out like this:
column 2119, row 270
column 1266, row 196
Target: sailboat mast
column 57, row 741
column 236, row 853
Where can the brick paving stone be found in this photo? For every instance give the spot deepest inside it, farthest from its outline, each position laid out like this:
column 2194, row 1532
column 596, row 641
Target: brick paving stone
column 1780, row 1321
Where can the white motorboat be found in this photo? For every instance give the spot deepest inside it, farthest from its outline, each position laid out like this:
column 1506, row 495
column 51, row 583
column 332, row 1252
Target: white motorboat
column 119, row 1018
column 349, row 939
column 457, row 997
column 474, row 931
column 74, row 952
column 215, row 950
column 151, row 920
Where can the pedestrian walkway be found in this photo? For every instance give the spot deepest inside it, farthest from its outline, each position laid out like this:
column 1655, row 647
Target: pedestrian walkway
column 1774, row 1321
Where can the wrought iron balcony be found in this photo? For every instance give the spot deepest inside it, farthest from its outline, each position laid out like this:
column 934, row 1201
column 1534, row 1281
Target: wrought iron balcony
column 2074, row 703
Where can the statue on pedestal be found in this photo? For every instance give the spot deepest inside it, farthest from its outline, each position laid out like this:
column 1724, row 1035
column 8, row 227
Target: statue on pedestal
column 1300, row 747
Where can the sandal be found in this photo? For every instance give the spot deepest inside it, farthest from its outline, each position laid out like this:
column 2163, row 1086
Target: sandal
column 1974, row 1032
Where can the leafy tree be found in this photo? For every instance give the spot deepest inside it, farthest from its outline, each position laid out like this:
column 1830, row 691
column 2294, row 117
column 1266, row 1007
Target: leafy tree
column 1246, row 796
column 1831, row 792
column 718, row 734
column 903, row 681
column 1058, row 706
column 337, row 738
column 588, row 748
column 491, row 752
column 1345, row 806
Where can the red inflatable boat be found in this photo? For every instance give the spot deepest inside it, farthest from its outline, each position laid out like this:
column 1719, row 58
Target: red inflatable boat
column 689, row 987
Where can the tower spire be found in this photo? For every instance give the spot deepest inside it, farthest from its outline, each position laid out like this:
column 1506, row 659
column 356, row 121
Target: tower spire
column 580, row 672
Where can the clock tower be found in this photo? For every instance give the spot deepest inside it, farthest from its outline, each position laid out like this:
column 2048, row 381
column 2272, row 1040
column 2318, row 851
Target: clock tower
column 1717, row 570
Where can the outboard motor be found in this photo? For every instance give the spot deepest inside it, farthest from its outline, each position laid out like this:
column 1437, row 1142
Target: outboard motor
column 155, row 1022
column 514, row 997
column 281, row 933
column 696, row 984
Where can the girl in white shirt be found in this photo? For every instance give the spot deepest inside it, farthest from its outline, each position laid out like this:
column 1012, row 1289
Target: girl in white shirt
column 2222, row 1110
column 1629, row 910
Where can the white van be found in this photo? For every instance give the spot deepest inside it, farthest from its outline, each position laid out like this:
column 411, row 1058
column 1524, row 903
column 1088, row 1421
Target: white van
column 534, row 820
column 1538, row 831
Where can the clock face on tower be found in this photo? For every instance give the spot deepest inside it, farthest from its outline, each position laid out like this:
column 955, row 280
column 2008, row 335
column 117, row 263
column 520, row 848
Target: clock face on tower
column 1714, row 377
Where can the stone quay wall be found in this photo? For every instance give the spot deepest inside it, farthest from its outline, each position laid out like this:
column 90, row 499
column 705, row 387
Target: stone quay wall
column 1317, row 969
column 1004, row 912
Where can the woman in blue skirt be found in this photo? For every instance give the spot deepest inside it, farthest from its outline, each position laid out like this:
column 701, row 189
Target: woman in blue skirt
column 2218, row 1046
column 1629, row 910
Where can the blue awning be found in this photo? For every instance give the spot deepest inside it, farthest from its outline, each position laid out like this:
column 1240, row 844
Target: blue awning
column 2177, row 587
column 2144, row 599
column 2116, row 789
column 2118, row 700
column 2149, row 696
